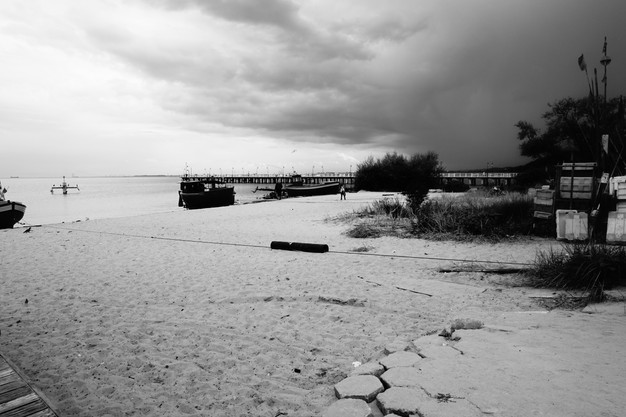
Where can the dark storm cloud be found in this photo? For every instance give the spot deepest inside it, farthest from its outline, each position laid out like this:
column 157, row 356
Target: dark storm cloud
column 279, row 13
column 449, row 76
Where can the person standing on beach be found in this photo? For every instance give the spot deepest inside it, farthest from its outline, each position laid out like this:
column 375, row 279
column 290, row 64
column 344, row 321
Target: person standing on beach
column 2, row 191
column 342, row 191
column 278, row 189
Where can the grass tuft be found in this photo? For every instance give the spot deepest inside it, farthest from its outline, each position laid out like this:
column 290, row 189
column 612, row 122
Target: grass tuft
column 590, row 267
column 363, row 231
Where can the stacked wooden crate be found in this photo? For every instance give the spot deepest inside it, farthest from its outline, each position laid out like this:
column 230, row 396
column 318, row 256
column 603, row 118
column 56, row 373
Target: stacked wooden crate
column 543, row 204
column 576, row 187
column 576, row 184
column 621, row 197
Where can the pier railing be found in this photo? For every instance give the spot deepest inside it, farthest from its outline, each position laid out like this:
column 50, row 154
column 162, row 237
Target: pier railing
column 347, row 180
column 480, row 178
column 469, row 178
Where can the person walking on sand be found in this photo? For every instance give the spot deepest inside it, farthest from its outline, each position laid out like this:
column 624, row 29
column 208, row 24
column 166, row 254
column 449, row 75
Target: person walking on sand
column 342, row 191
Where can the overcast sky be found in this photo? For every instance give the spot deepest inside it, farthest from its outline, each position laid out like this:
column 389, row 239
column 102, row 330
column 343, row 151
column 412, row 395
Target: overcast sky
column 116, row 87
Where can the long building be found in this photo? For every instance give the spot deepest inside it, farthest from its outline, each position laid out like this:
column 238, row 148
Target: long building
column 478, row 179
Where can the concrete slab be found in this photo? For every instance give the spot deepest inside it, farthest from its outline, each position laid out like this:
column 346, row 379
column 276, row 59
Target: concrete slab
column 404, row 376
column 400, row 359
column 369, row 368
column 348, row 408
column 362, row 387
column 402, row 401
column 560, row 364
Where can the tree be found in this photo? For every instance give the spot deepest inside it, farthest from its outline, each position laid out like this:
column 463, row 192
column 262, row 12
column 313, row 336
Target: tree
column 573, row 131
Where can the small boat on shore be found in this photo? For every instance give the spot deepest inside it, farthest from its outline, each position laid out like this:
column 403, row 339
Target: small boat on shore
column 11, row 212
column 204, row 192
column 297, row 188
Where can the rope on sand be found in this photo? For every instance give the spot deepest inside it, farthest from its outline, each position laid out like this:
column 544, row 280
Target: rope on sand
column 245, row 245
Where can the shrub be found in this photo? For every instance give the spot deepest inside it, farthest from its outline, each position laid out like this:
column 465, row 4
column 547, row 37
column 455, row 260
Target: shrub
column 590, row 267
column 412, row 176
column 424, row 175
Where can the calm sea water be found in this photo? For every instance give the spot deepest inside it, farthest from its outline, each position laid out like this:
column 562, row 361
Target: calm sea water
column 102, row 197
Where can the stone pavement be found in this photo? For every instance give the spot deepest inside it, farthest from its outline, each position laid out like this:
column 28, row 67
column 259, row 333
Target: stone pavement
column 532, row 363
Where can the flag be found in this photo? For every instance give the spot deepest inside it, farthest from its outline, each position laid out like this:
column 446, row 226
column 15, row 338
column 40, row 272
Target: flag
column 581, row 63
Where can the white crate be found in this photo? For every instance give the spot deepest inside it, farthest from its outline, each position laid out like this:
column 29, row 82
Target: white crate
column 616, row 227
column 571, row 225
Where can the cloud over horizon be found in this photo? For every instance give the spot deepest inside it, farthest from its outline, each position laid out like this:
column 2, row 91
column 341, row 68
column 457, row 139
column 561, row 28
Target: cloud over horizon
column 126, row 87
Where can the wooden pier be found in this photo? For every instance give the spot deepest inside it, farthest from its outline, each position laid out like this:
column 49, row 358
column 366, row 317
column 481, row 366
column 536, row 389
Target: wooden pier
column 347, row 180
column 469, row 178
column 18, row 398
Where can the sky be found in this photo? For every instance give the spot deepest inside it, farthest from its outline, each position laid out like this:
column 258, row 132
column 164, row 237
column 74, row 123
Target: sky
column 132, row 87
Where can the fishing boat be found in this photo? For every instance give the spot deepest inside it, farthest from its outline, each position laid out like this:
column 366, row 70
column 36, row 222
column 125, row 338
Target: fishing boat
column 11, row 212
column 204, row 192
column 297, row 188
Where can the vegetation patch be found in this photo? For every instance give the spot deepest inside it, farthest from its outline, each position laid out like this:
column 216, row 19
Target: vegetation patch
column 364, row 231
column 377, row 226
column 473, row 215
column 390, row 207
column 466, row 217
column 590, row 267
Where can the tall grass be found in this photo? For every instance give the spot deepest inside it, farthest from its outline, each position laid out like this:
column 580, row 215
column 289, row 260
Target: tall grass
column 386, row 217
column 585, row 266
column 460, row 218
column 393, row 208
column 475, row 215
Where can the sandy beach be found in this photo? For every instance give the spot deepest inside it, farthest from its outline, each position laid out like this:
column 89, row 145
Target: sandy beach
column 192, row 313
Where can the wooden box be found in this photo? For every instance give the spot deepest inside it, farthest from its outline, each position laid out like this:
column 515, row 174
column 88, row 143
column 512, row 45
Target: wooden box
column 544, row 204
column 575, row 181
column 621, row 191
column 544, row 197
column 577, row 187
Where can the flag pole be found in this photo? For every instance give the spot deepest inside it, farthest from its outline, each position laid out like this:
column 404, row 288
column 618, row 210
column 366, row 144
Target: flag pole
column 605, row 61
